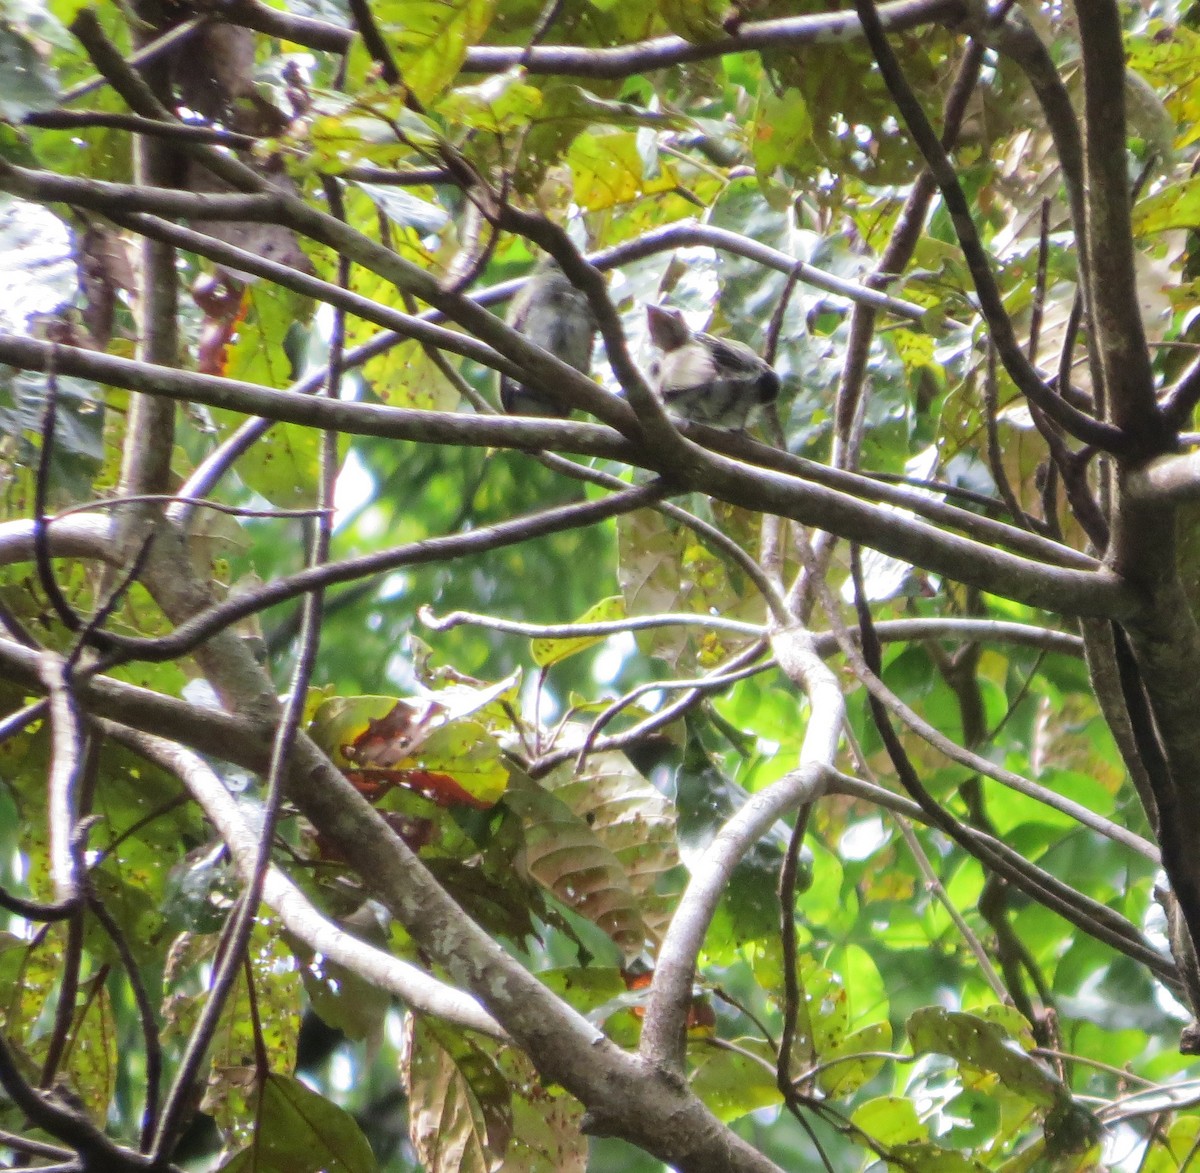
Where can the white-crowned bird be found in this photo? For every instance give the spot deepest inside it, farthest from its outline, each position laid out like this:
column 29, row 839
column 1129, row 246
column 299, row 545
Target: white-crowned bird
column 713, row 381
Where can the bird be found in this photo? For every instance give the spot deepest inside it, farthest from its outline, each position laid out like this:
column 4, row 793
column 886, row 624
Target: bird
column 555, row 315
column 713, row 381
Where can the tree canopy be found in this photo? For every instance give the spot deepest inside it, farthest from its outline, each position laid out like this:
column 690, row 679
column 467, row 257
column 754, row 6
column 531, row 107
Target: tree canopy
column 389, row 781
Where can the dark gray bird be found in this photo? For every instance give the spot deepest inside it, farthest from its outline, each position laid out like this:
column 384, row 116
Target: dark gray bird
column 713, row 381
column 555, row 315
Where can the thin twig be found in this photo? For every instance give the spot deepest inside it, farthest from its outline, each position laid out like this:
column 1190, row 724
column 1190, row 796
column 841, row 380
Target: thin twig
column 73, row 1128
column 151, row 1043
column 1039, row 286
column 25, row 716
column 182, row 499
column 147, row 53
column 216, row 618
column 665, row 716
column 45, row 569
column 175, row 1107
column 137, row 124
column 574, row 630
column 377, row 48
column 787, row 936
column 991, row 410
column 1088, row 915
column 716, row 681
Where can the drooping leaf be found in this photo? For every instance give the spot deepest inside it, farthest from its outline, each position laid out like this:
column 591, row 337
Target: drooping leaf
column 563, row 854
column 985, row 1046
column 302, row 1132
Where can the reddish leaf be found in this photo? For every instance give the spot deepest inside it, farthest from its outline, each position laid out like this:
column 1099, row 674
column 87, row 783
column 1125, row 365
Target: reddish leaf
column 223, row 306
column 394, row 736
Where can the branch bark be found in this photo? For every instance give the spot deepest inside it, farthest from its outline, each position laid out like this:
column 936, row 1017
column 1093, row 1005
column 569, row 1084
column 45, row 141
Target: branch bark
column 663, row 1033
column 413, row 986
column 566, row 60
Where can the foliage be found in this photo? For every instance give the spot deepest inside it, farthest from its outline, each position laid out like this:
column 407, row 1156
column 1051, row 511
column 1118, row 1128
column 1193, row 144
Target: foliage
column 560, row 775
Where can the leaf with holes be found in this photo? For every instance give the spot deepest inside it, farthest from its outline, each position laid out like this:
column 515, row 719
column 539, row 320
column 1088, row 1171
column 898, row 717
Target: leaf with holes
column 299, row 1131
column 566, row 856
column 635, row 822
column 548, row 652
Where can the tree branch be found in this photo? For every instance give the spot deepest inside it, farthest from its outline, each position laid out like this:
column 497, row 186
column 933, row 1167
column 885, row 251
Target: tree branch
column 691, row 233
column 220, row 616
column 296, row 406
column 135, row 124
column 414, row 986
column 663, row 1028
column 1165, row 480
column 1025, row 876
column 1113, row 300
column 1016, row 38
column 622, row 1095
column 1071, row 592
column 149, row 438
column 74, row 1129
column 892, row 262
column 615, row 63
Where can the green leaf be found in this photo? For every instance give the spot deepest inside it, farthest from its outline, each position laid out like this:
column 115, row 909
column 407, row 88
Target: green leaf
column 405, row 209
column 299, row 1131
column 890, row 1120
column 694, row 20
column 931, row 1158
column 847, row 1076
column 431, row 37
column 782, row 128
column 548, row 652
column 1175, row 206
column 608, row 170
column 26, row 83
column 500, row 105
column 664, row 567
column 985, row 1046
column 733, row 1084
column 381, row 742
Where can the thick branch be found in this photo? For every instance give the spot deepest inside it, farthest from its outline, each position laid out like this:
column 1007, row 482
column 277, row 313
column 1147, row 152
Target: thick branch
column 210, row 620
column 495, row 431
column 237, row 740
column 486, row 333
column 415, row 987
column 364, row 419
column 1166, row 480
column 1071, row 592
column 149, row 436
column 1113, row 299
column 586, row 61
column 663, row 1030
column 622, row 1095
